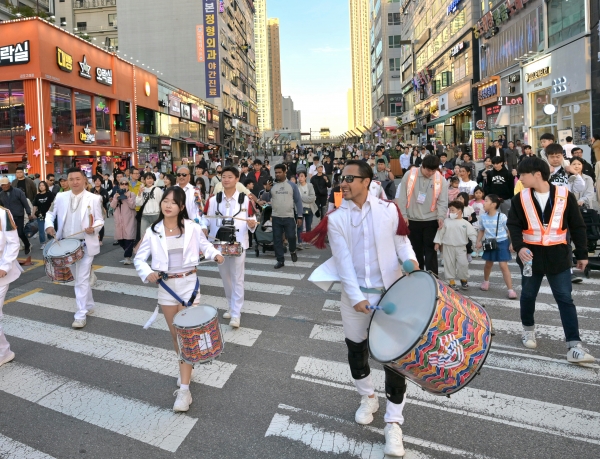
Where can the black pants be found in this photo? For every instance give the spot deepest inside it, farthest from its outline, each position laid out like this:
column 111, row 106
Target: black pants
column 20, row 222
column 422, row 234
column 321, row 202
column 281, row 226
column 127, row 245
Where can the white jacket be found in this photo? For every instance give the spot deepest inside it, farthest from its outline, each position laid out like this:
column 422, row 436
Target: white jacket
column 9, row 248
column 59, row 210
column 155, row 245
column 214, row 224
column 153, row 205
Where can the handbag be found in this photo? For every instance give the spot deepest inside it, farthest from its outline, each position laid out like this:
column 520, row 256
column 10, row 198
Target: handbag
column 306, row 211
column 31, row 228
column 491, row 243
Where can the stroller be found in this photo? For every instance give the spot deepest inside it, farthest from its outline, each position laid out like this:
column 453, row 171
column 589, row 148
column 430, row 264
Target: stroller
column 263, row 235
column 592, row 223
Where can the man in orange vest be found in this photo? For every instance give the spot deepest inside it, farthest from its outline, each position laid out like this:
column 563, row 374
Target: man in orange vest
column 538, row 221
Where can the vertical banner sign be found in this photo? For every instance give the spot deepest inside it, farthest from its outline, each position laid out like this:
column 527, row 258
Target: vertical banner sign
column 200, row 42
column 211, row 49
column 479, row 145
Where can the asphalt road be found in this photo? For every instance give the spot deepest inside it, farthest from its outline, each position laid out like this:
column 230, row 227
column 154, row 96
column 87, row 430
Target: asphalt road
column 282, row 388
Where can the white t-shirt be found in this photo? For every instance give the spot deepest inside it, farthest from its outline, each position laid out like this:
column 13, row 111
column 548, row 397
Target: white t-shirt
column 542, row 198
column 467, row 187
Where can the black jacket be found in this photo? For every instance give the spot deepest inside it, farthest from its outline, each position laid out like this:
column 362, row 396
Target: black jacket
column 501, row 183
column 103, row 193
column 16, row 202
column 491, row 152
column 320, row 184
column 552, row 259
column 511, row 158
column 259, row 184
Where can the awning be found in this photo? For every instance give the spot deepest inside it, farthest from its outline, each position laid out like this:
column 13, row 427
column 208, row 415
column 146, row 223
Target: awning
column 416, row 131
column 504, row 116
column 443, row 118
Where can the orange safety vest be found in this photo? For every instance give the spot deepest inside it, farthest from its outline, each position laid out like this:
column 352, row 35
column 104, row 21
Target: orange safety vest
column 412, row 180
column 537, row 234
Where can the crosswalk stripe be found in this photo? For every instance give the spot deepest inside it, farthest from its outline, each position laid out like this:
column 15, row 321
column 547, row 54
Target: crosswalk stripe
column 253, row 272
column 482, row 262
column 512, row 304
column 405, row 438
column 12, row 449
column 332, row 306
column 516, row 275
column 207, row 281
column 150, row 358
column 243, row 336
column 263, row 261
column 554, row 419
column 126, row 416
column 545, row 331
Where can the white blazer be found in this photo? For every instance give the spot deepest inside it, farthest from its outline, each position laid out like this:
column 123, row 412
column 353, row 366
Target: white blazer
column 341, row 268
column 9, row 248
column 241, row 235
column 59, row 210
column 155, row 245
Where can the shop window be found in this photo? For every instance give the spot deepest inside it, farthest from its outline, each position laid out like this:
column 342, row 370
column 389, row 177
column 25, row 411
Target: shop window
column 146, row 122
column 62, row 114
column 12, row 118
column 83, row 109
column 395, row 109
column 102, row 114
column 123, row 119
column 565, row 20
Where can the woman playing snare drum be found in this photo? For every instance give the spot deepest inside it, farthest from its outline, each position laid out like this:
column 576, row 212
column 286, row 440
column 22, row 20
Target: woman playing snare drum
column 174, row 242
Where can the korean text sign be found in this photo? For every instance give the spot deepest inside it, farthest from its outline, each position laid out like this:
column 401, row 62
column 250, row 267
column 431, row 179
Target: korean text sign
column 211, row 48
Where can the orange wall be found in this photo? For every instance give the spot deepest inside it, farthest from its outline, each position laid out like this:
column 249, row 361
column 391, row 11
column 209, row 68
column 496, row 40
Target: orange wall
column 141, row 78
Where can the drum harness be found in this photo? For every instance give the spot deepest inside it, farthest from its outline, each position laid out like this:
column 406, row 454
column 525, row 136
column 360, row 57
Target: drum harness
column 227, row 231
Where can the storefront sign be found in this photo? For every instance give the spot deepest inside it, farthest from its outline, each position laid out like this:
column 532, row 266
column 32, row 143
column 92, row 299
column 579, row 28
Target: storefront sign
column 443, row 104
column 488, row 93
column 165, row 144
column 209, row 115
column 537, row 74
column 104, row 76
column 200, row 51
column 14, row 54
column 559, row 85
column 511, row 100
column 453, row 7
column 211, row 134
column 174, row 105
column 86, row 136
column 456, row 49
column 492, row 110
column 459, row 96
column 479, row 145
column 211, row 48
column 85, row 69
column 514, row 78
column 195, row 113
column 215, row 116
column 186, row 111
column 143, row 141
column 481, row 124
column 64, row 60
column 489, row 24
column 202, row 115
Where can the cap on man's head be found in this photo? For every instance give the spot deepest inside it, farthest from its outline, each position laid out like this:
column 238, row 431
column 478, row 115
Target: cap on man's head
column 4, row 181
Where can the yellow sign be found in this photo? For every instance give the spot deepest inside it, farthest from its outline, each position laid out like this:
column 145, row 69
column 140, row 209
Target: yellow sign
column 541, row 73
column 64, row 60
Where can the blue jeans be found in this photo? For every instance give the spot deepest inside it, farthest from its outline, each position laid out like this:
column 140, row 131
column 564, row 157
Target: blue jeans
column 41, row 230
column 281, row 226
column 308, row 218
column 561, row 289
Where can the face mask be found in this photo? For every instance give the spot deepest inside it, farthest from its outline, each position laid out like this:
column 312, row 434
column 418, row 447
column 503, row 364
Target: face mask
column 453, row 216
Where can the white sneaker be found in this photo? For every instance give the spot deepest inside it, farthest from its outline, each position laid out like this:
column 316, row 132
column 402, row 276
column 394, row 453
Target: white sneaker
column 8, row 358
column 368, row 406
column 42, row 246
column 128, row 261
column 234, row 322
column 78, row 323
column 91, row 312
column 183, row 400
column 179, row 379
column 529, row 339
column 227, row 315
column 393, row 440
column 579, row 354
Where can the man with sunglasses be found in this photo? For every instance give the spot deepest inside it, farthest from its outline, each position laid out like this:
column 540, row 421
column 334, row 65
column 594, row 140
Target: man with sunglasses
column 368, row 241
column 191, row 202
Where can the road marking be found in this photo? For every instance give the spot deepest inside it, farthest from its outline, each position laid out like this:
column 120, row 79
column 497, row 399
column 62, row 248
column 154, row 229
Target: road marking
column 252, row 272
column 406, row 438
column 262, row 261
column 516, row 275
column 332, row 333
column 23, row 295
column 545, row 331
column 150, row 358
column 135, row 419
column 337, row 288
column 243, row 336
column 35, row 264
column 207, row 281
column 12, row 449
column 563, row 421
column 332, row 306
column 543, row 290
column 482, row 262
column 538, row 306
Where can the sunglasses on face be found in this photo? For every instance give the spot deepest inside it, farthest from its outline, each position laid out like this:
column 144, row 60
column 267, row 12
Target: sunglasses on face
column 182, row 175
column 350, row 178
column 124, row 184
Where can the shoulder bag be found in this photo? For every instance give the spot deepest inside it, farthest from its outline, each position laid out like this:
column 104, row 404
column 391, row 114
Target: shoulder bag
column 491, row 243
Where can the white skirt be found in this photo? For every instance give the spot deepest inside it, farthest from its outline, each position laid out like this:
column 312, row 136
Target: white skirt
column 182, row 286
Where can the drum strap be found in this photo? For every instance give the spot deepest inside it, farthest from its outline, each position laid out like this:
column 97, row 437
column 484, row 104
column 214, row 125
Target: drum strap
column 374, row 290
column 174, row 295
column 395, row 385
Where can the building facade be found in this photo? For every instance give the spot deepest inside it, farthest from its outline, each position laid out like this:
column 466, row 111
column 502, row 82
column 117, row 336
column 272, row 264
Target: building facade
column 263, row 82
column 275, row 73
column 291, row 118
column 361, row 63
column 10, row 8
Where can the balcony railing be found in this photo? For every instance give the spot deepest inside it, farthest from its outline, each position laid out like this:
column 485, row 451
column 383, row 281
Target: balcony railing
column 84, row 4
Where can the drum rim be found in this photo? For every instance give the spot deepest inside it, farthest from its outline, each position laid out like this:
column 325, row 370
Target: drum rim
column 66, row 254
column 412, row 346
column 181, row 327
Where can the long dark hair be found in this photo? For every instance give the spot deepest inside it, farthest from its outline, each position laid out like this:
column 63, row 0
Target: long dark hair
column 179, row 198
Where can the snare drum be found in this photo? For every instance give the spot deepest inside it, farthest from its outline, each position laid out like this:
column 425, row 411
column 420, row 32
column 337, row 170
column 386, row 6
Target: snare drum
column 58, row 256
column 436, row 337
column 198, row 334
column 229, row 250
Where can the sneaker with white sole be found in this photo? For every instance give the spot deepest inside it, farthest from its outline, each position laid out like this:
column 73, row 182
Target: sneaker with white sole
column 128, row 261
column 235, row 322
column 579, row 354
column 393, row 440
column 227, row 314
column 179, row 379
column 183, row 400
column 7, row 358
column 79, row 323
column 368, row 406
column 529, row 339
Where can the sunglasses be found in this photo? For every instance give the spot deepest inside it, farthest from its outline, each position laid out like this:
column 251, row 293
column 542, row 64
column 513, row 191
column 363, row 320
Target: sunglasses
column 182, row 175
column 124, row 183
column 350, row 178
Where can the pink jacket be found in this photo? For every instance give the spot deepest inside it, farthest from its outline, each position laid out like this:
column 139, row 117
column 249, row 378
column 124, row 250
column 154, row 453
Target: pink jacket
column 125, row 222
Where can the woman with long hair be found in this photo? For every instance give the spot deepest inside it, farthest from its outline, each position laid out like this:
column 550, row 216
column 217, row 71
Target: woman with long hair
column 183, row 240
column 123, row 205
column 41, row 204
column 169, row 181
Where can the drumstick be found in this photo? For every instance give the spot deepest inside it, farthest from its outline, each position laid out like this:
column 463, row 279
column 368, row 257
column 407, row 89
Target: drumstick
column 233, row 218
column 79, row 232
column 388, row 308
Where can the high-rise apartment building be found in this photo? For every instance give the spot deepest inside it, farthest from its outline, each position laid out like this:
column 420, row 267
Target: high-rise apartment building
column 359, row 48
column 350, row 102
column 291, row 117
column 275, row 73
column 263, row 82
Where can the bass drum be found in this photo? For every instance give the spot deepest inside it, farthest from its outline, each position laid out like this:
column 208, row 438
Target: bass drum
column 436, row 337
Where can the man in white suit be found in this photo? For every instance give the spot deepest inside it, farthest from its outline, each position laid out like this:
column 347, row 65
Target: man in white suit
column 368, row 237
column 10, row 270
column 79, row 214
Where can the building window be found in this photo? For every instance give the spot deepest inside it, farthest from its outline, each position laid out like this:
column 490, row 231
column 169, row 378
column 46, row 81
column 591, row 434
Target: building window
column 82, row 26
column 83, row 109
column 394, row 64
column 394, row 41
column 102, row 118
column 62, row 114
column 394, row 19
column 395, row 109
column 12, row 118
column 112, row 20
column 565, row 20
column 63, row 21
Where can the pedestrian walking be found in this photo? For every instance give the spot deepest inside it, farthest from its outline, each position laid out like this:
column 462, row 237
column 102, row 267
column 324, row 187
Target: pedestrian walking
column 320, row 183
column 500, row 182
column 309, row 206
column 148, row 200
column 123, row 205
column 102, row 192
column 24, row 183
column 15, row 201
column 41, row 205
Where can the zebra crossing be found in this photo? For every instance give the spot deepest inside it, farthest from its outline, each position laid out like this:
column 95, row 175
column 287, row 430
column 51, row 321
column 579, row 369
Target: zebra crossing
column 291, row 337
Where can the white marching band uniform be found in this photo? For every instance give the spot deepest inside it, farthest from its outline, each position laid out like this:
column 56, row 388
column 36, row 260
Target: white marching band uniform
column 9, row 250
column 75, row 220
column 232, row 270
column 191, row 205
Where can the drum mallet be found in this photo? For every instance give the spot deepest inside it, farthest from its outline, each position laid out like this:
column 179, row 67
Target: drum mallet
column 388, row 308
column 408, row 266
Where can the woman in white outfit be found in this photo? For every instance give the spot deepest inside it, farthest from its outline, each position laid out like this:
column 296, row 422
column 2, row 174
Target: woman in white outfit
column 148, row 200
column 174, row 243
column 581, row 185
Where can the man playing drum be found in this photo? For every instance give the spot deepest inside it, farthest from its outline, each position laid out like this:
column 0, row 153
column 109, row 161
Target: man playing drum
column 228, row 204
column 79, row 214
column 361, row 233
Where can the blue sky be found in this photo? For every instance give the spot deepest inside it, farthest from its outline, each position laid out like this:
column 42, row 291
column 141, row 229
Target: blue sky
column 315, row 59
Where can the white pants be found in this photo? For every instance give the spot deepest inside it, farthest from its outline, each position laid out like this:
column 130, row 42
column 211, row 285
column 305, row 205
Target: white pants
column 456, row 265
column 232, row 273
column 83, row 290
column 4, row 345
column 356, row 328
